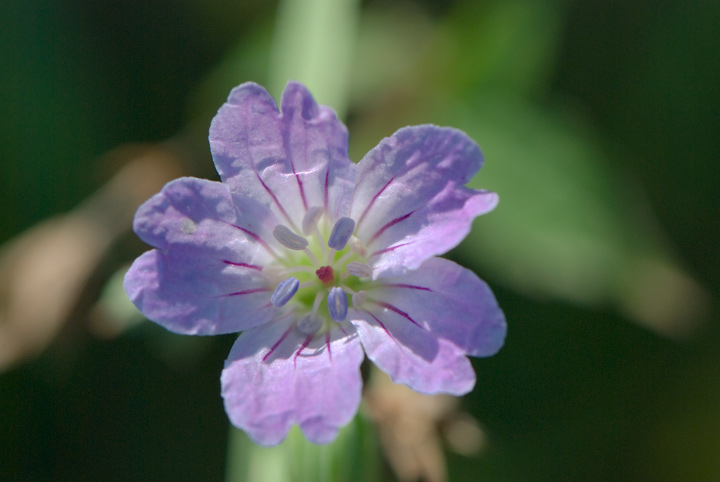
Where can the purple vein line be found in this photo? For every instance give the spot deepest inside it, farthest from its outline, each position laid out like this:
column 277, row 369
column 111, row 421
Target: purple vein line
column 399, row 312
column 389, row 225
column 297, row 176
column 243, row 265
column 254, row 167
column 403, row 285
column 247, row 292
column 384, row 328
column 300, row 185
column 277, row 343
column 327, row 342
column 391, row 248
column 307, row 341
column 327, row 188
column 255, row 237
column 272, row 194
column 288, row 152
column 372, row 201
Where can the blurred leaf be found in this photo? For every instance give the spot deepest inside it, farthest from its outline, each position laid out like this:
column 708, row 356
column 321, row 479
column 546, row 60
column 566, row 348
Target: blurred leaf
column 248, row 60
column 652, row 80
column 391, row 47
column 507, row 46
column 502, row 45
column 569, row 224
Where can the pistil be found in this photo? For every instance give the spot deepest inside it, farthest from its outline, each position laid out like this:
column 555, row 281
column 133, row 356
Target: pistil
column 325, row 274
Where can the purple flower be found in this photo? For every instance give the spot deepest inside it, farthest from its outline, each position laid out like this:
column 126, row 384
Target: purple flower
column 319, row 261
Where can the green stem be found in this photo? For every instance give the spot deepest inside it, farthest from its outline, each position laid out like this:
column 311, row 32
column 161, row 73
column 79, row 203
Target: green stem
column 314, row 43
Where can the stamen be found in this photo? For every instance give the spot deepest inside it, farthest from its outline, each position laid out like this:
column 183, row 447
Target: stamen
column 341, row 233
column 345, row 257
column 358, row 299
column 310, row 220
column 289, row 239
column 348, row 289
column 312, row 257
column 309, row 324
column 285, row 291
column 321, row 240
column 357, row 246
column 290, row 270
column 361, row 270
column 316, row 302
column 337, row 304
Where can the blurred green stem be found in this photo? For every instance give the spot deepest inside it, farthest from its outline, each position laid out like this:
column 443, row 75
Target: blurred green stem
column 352, row 457
column 313, row 43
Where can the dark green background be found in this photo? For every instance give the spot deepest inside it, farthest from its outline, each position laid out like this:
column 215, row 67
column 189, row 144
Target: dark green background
column 578, row 393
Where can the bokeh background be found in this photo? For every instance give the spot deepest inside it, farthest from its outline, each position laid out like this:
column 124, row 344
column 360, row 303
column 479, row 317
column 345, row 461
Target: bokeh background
column 599, row 121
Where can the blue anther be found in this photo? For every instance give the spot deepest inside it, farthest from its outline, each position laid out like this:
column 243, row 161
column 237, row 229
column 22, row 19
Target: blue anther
column 289, row 239
column 284, row 291
column 341, row 233
column 337, row 304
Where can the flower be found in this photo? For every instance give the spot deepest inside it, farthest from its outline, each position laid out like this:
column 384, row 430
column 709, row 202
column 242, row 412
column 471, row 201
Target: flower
column 295, row 229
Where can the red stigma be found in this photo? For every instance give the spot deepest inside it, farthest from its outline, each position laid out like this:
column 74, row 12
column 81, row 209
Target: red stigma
column 325, row 274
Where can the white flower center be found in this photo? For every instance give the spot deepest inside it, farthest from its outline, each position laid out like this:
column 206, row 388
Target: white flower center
column 312, row 270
